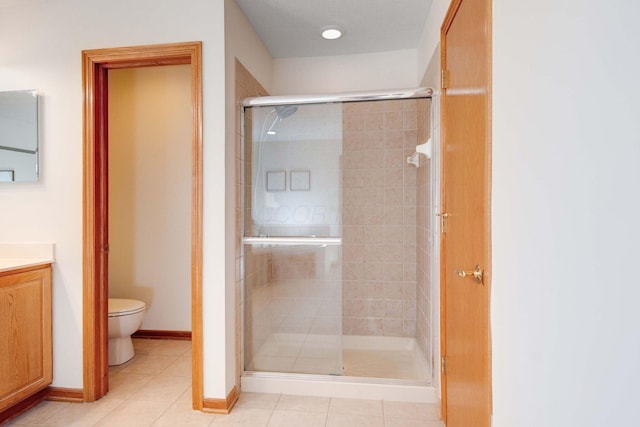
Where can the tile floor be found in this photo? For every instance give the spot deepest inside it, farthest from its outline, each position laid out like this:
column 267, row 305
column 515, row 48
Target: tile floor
column 154, row 390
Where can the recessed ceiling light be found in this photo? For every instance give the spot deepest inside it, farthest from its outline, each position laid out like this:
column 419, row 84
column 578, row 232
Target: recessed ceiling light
column 331, row 32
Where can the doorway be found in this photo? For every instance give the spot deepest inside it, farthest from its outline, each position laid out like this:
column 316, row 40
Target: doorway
column 96, row 64
column 149, row 195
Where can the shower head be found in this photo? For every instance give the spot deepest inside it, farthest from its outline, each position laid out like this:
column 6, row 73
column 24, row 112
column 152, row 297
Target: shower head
column 284, row 111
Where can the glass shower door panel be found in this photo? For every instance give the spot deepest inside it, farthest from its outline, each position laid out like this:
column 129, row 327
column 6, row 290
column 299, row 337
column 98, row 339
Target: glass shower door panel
column 293, row 180
column 294, row 319
column 292, row 239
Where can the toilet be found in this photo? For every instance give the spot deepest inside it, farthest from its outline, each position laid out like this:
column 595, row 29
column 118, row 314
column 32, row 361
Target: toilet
column 125, row 317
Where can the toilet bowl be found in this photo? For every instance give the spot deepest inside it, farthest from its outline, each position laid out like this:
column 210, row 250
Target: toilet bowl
column 125, row 317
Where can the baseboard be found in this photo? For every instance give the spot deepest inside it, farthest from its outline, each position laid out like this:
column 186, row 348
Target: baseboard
column 50, row 393
column 221, row 406
column 60, row 394
column 162, row 335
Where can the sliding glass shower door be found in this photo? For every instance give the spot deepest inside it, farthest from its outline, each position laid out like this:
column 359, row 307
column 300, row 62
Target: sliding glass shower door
column 292, row 239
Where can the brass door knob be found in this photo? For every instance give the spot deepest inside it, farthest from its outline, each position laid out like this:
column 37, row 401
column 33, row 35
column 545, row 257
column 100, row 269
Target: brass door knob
column 476, row 274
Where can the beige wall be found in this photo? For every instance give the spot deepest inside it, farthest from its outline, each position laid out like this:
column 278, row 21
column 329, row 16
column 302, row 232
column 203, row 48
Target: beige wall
column 150, row 192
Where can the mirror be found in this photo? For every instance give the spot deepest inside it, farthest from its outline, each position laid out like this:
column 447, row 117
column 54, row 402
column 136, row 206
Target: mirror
column 19, row 136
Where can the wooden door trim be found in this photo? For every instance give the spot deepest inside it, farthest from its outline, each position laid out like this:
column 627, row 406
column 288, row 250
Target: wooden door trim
column 95, row 64
column 446, row 24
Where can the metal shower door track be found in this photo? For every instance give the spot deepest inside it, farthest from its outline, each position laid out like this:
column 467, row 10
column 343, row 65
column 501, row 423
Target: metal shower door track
column 261, row 101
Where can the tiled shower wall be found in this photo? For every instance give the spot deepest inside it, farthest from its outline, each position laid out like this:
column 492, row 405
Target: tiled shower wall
column 423, row 231
column 379, row 218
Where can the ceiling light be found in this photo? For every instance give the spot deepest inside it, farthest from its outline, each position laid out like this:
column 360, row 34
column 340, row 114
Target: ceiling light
column 331, row 32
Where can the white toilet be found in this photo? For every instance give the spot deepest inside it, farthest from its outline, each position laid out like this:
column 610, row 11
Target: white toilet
column 125, row 317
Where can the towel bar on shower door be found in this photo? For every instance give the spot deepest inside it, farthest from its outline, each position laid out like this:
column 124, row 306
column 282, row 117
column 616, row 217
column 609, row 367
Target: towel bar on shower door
column 303, row 241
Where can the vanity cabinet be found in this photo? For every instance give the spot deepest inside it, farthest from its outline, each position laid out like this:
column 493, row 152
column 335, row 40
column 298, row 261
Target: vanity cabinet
column 25, row 333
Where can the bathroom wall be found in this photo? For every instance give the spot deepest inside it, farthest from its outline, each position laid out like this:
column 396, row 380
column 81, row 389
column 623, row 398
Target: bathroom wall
column 345, row 73
column 379, row 218
column 565, row 229
column 47, row 40
column 150, row 192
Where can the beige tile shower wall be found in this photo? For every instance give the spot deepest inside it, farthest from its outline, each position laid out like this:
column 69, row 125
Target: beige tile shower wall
column 379, row 218
column 423, row 325
column 256, row 265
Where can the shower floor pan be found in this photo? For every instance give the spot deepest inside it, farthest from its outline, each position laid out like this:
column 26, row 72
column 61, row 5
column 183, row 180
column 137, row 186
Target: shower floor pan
column 384, row 357
column 383, row 368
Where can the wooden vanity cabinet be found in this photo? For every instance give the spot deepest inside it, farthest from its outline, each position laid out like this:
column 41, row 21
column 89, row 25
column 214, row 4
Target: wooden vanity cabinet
column 25, row 333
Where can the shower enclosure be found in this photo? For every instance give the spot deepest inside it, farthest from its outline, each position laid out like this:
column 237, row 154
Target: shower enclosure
column 336, row 237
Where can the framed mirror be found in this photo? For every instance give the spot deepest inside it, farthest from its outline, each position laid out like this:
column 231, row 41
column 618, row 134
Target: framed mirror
column 19, row 136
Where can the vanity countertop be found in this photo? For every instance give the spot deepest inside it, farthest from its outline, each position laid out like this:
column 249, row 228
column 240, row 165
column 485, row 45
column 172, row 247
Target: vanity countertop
column 8, row 264
column 14, row 256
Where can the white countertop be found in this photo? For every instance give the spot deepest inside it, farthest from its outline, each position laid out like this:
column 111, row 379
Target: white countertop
column 8, row 264
column 21, row 255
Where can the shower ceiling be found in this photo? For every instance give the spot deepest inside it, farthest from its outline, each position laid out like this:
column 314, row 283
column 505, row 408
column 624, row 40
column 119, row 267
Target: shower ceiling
column 291, row 28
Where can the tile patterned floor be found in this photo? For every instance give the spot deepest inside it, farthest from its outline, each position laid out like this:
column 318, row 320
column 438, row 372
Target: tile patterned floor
column 154, row 390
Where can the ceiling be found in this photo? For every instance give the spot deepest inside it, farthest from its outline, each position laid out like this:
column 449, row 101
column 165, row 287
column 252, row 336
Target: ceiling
column 291, row 28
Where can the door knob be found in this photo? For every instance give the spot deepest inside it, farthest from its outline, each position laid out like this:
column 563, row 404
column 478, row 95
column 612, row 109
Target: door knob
column 476, row 274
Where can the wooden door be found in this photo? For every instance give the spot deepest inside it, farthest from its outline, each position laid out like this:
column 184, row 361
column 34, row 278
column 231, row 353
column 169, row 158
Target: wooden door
column 466, row 57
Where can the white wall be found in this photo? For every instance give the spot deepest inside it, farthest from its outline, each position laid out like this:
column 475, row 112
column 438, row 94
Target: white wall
column 150, row 167
column 345, row 73
column 41, row 49
column 566, row 135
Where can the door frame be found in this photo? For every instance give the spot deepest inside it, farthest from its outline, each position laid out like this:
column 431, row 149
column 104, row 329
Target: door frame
column 95, row 66
column 446, row 24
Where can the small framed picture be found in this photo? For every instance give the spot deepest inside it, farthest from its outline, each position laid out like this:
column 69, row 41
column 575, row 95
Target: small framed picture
column 276, row 180
column 6, row 176
column 300, row 180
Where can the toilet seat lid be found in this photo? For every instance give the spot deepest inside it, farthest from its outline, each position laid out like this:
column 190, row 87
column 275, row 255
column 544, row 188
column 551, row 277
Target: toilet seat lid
column 120, row 307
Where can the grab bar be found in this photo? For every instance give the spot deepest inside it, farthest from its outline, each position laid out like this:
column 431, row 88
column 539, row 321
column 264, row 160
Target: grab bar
column 310, row 241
